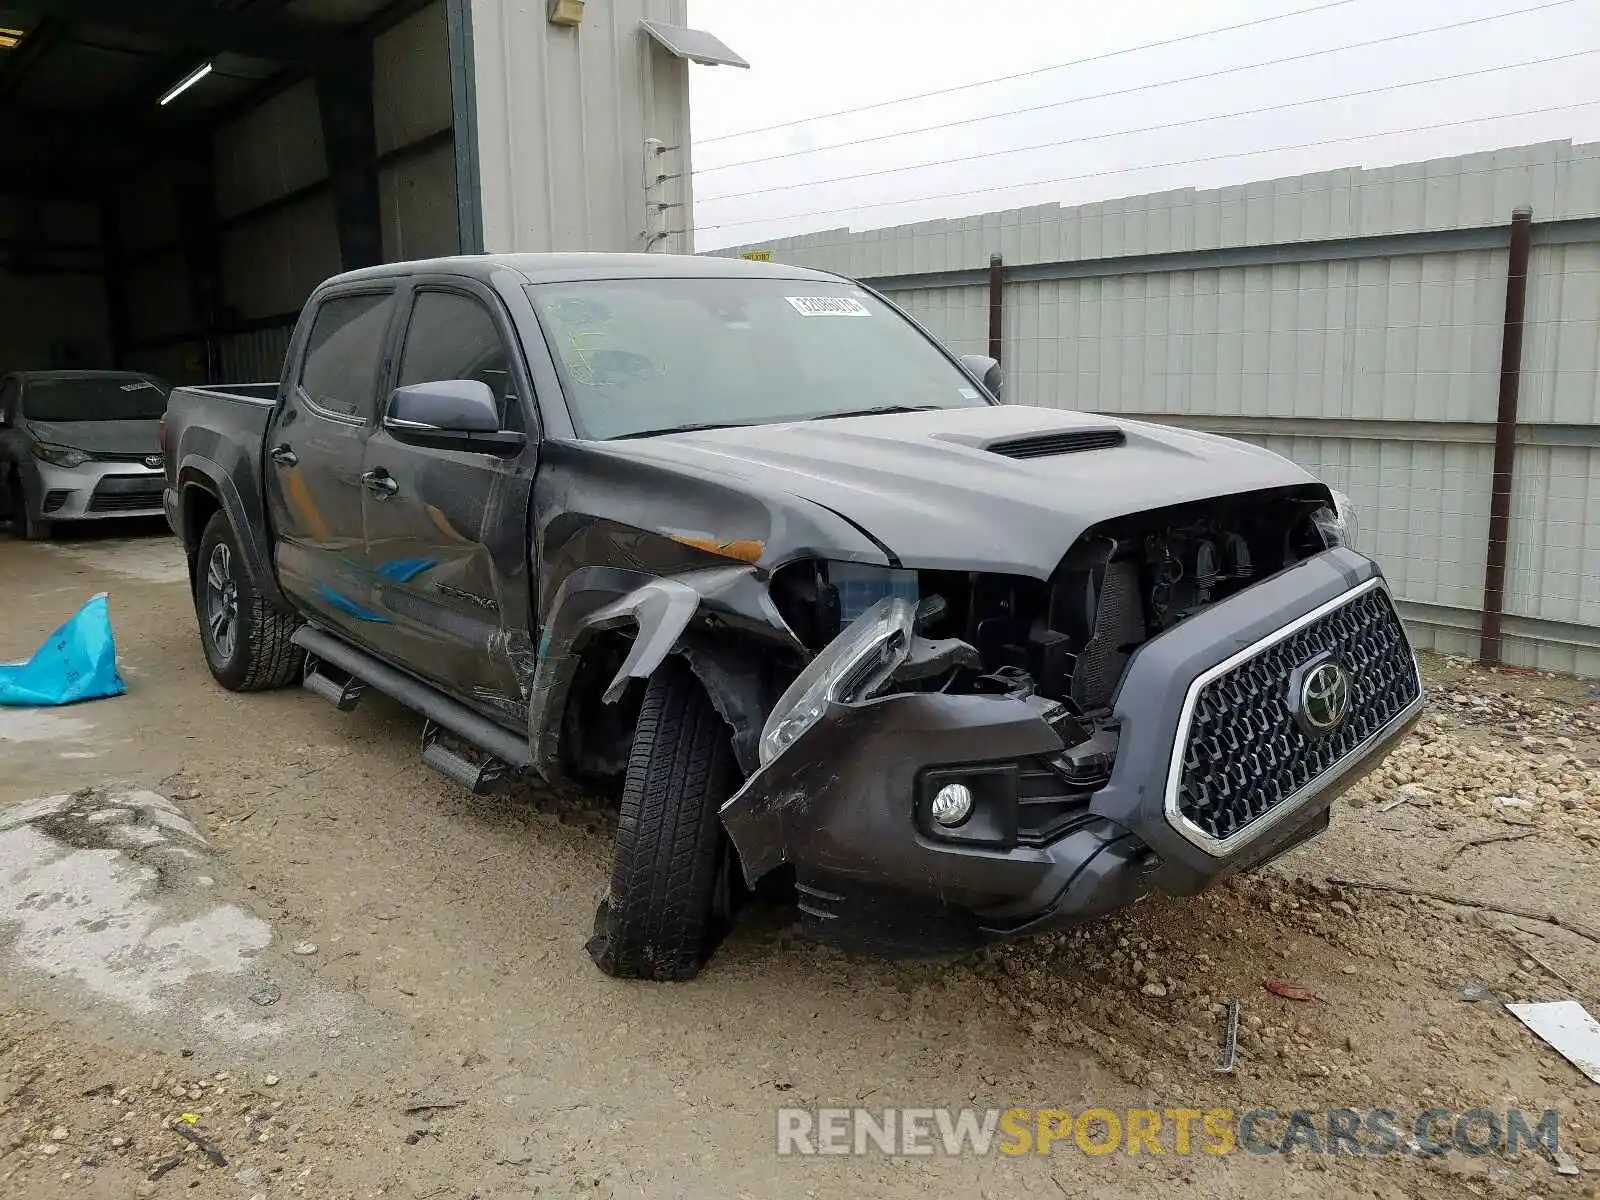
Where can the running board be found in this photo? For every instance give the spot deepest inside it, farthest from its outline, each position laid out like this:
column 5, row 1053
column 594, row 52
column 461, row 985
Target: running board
column 477, row 777
column 344, row 694
column 505, row 750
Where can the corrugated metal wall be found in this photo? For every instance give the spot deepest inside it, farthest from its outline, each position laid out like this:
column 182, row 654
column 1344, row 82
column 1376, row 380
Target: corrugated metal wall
column 53, row 311
column 1351, row 320
column 563, row 114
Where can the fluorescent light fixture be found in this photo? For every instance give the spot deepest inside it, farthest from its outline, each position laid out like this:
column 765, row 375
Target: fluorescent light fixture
column 11, row 38
column 184, row 84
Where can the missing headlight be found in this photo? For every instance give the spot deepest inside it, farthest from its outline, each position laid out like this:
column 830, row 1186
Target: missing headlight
column 848, row 670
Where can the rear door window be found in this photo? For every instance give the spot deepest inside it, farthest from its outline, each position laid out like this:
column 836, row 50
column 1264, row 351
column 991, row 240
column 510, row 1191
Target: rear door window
column 345, row 350
column 453, row 336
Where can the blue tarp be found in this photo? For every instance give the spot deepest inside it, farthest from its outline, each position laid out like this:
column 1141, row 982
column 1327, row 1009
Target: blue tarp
column 77, row 662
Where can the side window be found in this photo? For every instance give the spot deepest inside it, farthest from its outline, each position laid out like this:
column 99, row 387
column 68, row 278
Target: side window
column 344, row 352
column 453, row 337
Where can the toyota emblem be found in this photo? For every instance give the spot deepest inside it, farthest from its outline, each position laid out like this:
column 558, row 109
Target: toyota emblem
column 153, row 461
column 1325, row 696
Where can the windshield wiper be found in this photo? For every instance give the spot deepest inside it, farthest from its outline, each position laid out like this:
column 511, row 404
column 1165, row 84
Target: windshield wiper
column 680, row 429
column 884, row 411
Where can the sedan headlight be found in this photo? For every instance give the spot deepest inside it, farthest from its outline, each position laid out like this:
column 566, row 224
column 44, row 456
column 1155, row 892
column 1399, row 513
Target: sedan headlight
column 61, row 456
column 1337, row 525
column 848, row 670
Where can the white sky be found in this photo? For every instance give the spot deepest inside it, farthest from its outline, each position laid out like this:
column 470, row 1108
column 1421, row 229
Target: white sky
column 812, row 57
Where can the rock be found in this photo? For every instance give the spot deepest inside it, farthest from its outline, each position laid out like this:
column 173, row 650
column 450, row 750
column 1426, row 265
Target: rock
column 250, row 1177
column 1154, row 989
column 118, row 1142
column 58, row 1134
column 48, row 1149
column 305, row 949
column 1475, row 991
column 1342, row 908
column 265, row 995
column 270, row 1080
column 1349, row 968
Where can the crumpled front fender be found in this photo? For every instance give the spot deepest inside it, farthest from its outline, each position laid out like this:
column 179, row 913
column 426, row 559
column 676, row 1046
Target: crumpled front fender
column 663, row 611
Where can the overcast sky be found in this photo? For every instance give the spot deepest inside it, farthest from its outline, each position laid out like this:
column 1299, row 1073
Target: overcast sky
column 813, row 57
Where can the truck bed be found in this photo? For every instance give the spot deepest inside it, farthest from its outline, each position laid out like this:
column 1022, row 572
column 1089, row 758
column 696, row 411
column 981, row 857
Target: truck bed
column 217, row 434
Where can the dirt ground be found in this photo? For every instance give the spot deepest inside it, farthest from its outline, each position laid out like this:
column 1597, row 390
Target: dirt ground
column 263, row 925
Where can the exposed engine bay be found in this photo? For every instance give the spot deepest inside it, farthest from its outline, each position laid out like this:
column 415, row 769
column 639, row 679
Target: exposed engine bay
column 1067, row 638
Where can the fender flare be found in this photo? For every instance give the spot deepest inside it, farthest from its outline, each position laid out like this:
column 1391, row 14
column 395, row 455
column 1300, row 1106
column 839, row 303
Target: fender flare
column 663, row 610
column 200, row 471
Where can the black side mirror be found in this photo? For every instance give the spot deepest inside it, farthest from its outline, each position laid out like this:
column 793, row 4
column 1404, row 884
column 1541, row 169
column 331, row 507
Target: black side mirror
column 450, row 414
column 986, row 371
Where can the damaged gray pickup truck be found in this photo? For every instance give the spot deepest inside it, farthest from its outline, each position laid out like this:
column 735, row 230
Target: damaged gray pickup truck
column 745, row 545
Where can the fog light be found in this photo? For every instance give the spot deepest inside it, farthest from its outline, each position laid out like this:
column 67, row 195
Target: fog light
column 952, row 804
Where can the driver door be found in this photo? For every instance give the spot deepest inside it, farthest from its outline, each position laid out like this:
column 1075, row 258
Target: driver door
column 447, row 530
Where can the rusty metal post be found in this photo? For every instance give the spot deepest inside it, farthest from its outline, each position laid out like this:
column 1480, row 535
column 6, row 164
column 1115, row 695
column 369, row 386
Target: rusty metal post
column 1505, row 436
column 997, row 283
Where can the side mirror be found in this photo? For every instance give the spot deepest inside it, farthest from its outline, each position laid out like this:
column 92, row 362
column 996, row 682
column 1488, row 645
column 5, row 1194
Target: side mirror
column 986, row 370
column 450, row 414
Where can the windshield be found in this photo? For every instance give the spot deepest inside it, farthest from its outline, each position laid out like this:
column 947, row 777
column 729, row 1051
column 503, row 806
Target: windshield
column 651, row 355
column 95, row 398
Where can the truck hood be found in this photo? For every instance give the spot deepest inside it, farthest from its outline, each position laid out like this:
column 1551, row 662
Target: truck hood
column 99, row 437
column 932, row 489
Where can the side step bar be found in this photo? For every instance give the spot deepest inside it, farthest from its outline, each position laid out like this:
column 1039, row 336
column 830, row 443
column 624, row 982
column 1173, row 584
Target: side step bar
column 505, row 749
column 477, row 777
column 344, row 694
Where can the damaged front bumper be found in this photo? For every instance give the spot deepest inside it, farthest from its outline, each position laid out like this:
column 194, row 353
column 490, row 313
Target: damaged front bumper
column 1216, row 770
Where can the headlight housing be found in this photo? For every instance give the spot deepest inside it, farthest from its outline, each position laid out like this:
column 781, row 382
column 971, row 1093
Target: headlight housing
column 848, row 670
column 1337, row 525
column 61, row 456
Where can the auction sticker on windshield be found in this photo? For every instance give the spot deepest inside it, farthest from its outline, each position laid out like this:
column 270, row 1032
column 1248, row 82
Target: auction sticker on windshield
column 828, row 306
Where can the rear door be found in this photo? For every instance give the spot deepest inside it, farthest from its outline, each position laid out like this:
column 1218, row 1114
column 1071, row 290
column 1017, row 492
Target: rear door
column 313, row 459
column 447, row 530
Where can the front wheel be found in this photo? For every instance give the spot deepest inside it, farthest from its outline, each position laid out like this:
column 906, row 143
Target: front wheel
column 672, row 872
column 246, row 640
column 33, row 528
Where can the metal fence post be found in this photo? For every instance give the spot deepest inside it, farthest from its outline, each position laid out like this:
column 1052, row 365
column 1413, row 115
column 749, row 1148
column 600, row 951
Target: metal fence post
column 997, row 283
column 1505, row 436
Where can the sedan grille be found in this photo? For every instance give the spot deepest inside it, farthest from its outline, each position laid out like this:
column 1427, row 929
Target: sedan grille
column 1244, row 751
column 127, row 493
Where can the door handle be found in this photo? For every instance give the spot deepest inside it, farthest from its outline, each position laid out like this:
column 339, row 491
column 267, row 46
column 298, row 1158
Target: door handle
column 380, row 483
column 283, row 455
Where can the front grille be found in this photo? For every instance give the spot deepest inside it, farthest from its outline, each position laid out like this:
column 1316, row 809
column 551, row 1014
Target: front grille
column 1244, row 754
column 126, row 495
column 54, row 499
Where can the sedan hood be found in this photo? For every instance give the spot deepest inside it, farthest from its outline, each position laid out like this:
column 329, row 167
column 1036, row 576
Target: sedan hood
column 100, row 437
column 936, row 490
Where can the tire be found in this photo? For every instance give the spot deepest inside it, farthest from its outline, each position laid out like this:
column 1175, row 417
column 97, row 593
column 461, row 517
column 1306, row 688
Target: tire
column 672, row 874
column 246, row 639
column 32, row 528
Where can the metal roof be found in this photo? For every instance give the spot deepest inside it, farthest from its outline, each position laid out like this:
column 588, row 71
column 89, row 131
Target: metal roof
column 81, row 87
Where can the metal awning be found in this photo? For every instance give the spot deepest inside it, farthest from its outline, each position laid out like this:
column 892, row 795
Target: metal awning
column 696, row 45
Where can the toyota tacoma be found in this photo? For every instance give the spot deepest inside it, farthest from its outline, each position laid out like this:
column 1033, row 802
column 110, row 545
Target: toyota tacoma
column 746, row 545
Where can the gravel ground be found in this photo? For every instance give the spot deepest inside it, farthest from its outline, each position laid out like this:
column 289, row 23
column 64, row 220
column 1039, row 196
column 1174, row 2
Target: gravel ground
column 422, row 1021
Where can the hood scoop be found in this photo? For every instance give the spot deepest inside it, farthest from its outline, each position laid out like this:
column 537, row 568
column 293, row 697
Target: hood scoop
column 1066, row 441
